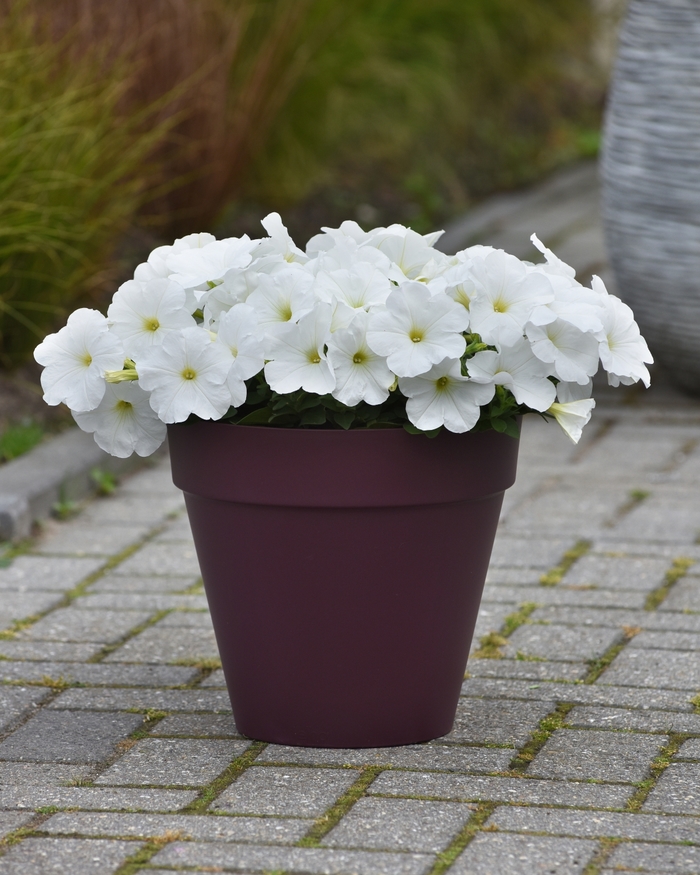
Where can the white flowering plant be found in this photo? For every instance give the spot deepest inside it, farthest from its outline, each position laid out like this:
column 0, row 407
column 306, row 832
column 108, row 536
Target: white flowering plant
column 363, row 329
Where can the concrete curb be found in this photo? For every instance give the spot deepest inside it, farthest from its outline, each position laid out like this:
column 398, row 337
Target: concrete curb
column 57, row 470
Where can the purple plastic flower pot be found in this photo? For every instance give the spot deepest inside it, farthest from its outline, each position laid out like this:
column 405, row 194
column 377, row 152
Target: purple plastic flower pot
column 344, row 571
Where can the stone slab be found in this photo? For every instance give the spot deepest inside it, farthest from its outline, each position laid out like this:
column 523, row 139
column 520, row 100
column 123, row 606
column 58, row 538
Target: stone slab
column 623, row 572
column 660, row 669
column 95, row 798
column 315, row 861
column 68, row 737
column 616, row 618
column 125, row 699
column 561, row 642
column 632, row 720
column 514, row 855
column 27, row 573
column 172, row 560
column 288, row 791
column 18, row 605
column 47, row 651
column 502, row 722
column 646, row 857
column 596, row 755
column 41, row 856
column 10, row 821
column 528, row 552
column 72, row 624
column 399, row 825
column 684, row 596
column 80, row 539
column 462, row 788
column 14, row 774
column 677, row 791
column 656, row 640
column 120, row 584
column 17, row 702
column 167, row 645
column 172, row 762
column 263, row 830
column 197, row 726
column 141, row 601
column 432, row 757
column 645, row 827
column 525, row 669
column 97, row 674
column 128, row 509
column 690, row 750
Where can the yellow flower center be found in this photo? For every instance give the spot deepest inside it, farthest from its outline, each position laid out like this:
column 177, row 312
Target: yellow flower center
column 314, row 357
column 500, row 307
column 151, row 324
column 189, row 374
column 416, row 335
column 442, row 382
column 285, row 312
column 86, row 359
column 124, row 406
column 359, row 357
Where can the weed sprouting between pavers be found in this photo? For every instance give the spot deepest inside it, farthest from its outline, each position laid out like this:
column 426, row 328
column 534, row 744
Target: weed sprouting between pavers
column 601, row 856
column 679, row 568
column 236, row 768
column 597, row 666
column 492, row 642
column 570, row 557
column 660, row 762
column 634, row 498
column 549, row 724
column 325, row 823
column 446, row 858
column 695, row 702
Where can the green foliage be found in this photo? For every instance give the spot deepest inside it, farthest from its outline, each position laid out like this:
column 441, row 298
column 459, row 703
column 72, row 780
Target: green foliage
column 72, row 175
column 105, row 481
column 18, row 439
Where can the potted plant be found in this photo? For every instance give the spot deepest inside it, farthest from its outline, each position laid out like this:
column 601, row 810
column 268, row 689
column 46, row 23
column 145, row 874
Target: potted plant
column 344, row 421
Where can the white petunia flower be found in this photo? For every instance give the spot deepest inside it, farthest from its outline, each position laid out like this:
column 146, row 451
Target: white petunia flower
column 516, row 368
column 124, row 422
column 143, row 313
column 187, row 374
column 238, row 332
column 573, row 416
column 156, row 267
column 360, row 288
column 360, row 374
column 409, row 251
column 623, row 350
column 572, row 353
column 298, row 358
column 459, row 284
column 417, row 330
column 554, row 264
column 76, row 358
column 281, row 298
column 279, row 242
column 444, row 396
column 506, row 294
column 198, row 269
column 567, row 392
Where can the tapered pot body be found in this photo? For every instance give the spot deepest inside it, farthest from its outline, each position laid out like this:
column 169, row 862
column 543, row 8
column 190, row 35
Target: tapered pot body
column 344, row 571
column 651, row 179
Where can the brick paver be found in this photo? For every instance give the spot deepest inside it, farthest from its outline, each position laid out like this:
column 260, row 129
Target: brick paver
column 576, row 750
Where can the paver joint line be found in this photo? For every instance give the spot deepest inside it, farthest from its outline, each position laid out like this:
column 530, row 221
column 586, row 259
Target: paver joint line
column 576, row 744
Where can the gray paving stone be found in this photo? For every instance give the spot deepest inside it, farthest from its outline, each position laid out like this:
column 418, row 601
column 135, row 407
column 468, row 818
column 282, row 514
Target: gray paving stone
column 566, row 596
column 678, row 859
column 598, row 755
column 16, row 702
column 186, row 620
column 661, row 669
column 80, row 539
column 47, row 651
column 172, row 560
column 632, row 719
column 490, row 853
column 488, row 722
column 17, row 605
column 125, row 699
column 27, row 573
column 215, row 680
column 10, row 821
column 141, row 601
column 525, row 669
column 167, row 645
column 95, row 798
column 177, row 530
column 40, row 774
column 72, row 624
column 609, row 543
column 677, row 790
column 528, row 552
column 121, row 584
column 265, row 830
column 624, row 572
column 667, row 641
column 582, row 694
column 155, row 480
column 684, row 596
column 502, row 574
column 645, row 827
column 98, row 674
column 464, row 788
column 561, row 642
column 197, row 726
column 616, row 618
column 399, row 825
column 87, row 856
column 68, row 737
column 172, row 762
column 667, row 520
column 316, row 861
column 129, row 509
column 288, row 791
column 567, row 512
column 438, row 757
column 690, row 750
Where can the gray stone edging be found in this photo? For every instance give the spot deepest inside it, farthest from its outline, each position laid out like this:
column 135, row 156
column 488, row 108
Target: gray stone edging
column 57, row 470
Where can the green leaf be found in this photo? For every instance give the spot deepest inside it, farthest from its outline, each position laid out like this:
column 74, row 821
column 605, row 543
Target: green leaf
column 261, row 416
column 499, row 425
column 344, row 418
column 315, row 416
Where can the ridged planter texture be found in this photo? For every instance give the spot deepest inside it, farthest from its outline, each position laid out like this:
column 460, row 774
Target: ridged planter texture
column 344, row 571
column 651, row 179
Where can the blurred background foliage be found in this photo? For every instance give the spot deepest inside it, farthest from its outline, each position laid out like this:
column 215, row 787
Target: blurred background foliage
column 123, row 124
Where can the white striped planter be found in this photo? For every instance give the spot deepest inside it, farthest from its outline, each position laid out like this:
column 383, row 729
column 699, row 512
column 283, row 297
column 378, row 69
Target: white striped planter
column 651, row 179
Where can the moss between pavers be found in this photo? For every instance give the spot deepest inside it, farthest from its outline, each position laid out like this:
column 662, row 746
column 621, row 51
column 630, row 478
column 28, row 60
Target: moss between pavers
column 446, row 858
column 679, row 568
column 661, row 762
column 325, row 823
column 570, row 557
column 132, row 633
column 492, row 642
column 135, row 862
column 214, row 788
column 600, row 858
column 549, row 724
